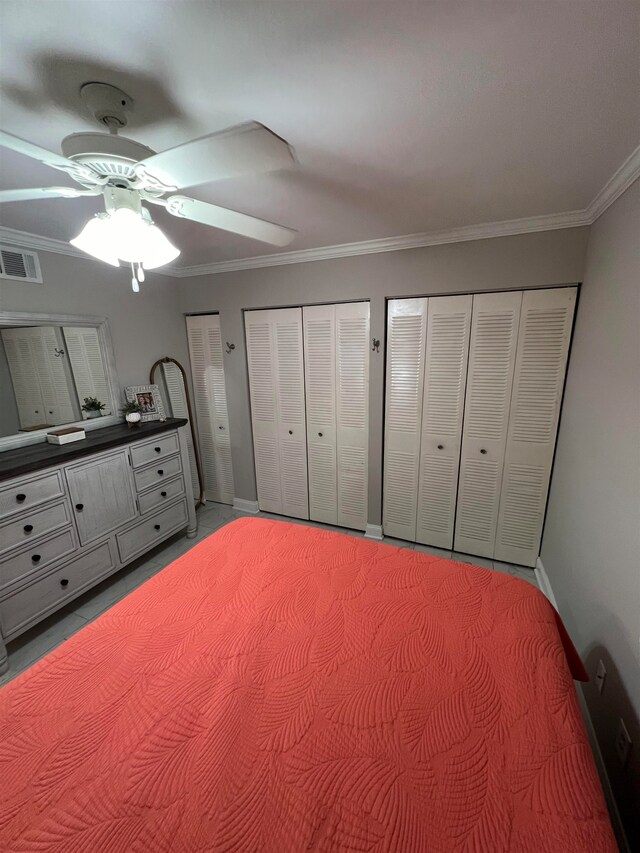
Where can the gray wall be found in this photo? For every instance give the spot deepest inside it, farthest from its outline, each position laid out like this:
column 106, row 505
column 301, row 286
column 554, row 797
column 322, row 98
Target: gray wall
column 529, row 260
column 144, row 326
column 591, row 545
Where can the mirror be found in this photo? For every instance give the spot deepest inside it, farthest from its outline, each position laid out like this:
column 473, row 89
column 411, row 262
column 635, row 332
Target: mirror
column 48, row 372
column 170, row 377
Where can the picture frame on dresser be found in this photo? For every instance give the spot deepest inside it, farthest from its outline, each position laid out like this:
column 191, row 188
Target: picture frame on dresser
column 149, row 399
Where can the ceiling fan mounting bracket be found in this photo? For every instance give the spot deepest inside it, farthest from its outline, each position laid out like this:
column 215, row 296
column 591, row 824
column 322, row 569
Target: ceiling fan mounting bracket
column 108, row 104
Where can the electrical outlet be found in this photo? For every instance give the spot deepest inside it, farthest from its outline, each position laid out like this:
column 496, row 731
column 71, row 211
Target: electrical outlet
column 601, row 674
column 623, row 742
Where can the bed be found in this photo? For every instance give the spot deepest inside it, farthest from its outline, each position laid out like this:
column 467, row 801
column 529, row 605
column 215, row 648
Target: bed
column 285, row 688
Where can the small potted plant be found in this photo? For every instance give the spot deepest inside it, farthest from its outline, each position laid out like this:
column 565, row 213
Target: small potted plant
column 93, row 407
column 132, row 411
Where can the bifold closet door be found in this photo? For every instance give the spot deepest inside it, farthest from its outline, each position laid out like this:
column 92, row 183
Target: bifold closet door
column 492, row 353
column 276, row 383
column 210, row 400
column 406, row 335
column 336, row 357
column 546, row 321
column 85, row 357
column 445, row 374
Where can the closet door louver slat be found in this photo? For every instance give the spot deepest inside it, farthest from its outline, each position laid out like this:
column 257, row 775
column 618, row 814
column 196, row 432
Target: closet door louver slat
column 320, row 388
column 494, row 335
column 210, row 402
column 406, row 332
column 543, row 345
column 447, row 345
column 352, row 389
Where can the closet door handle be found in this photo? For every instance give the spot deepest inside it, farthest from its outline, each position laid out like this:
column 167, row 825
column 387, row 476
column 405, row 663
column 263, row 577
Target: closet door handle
column 157, row 449
column 441, row 447
column 163, row 494
column 20, row 498
column 79, row 507
column 156, row 527
column 483, row 451
column 28, row 528
column 161, row 471
column 35, row 558
column 220, row 427
column 64, row 582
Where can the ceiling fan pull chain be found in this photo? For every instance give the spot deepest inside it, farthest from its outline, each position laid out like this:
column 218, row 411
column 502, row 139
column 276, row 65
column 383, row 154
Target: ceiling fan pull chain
column 140, row 273
column 134, row 281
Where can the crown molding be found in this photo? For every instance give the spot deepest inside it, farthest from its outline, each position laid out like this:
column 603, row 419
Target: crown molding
column 554, row 221
column 620, row 181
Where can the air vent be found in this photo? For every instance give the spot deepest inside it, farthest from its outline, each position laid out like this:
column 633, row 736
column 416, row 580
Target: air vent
column 19, row 265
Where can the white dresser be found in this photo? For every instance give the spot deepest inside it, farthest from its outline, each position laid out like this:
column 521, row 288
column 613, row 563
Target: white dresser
column 75, row 514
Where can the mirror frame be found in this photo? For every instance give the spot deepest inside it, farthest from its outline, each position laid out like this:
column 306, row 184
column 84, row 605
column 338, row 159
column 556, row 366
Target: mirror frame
column 24, row 318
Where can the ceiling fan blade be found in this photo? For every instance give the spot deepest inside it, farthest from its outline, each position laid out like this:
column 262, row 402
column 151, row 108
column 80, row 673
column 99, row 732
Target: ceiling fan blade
column 77, row 171
column 244, row 149
column 44, row 192
column 229, row 220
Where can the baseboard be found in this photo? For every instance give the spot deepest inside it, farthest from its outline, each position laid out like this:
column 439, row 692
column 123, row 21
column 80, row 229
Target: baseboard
column 246, row 506
column 545, row 586
column 373, row 531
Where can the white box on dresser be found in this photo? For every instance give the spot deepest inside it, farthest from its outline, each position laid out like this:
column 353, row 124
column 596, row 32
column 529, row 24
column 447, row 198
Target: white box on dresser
column 85, row 512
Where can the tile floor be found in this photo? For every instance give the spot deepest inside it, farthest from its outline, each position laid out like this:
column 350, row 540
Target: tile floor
column 42, row 638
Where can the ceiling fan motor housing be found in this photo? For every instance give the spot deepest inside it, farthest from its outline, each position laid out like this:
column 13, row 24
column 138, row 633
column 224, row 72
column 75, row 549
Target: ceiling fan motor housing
column 107, row 104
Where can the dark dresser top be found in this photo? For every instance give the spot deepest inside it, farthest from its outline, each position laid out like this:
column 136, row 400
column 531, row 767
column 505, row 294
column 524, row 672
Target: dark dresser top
column 33, row 457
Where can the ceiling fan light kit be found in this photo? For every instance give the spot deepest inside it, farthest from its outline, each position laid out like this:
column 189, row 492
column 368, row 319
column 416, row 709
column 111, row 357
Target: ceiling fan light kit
column 127, row 173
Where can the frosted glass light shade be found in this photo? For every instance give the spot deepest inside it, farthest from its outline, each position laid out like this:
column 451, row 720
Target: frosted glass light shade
column 126, row 235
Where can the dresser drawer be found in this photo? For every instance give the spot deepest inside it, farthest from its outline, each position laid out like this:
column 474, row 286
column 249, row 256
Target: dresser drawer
column 22, row 494
column 153, row 529
column 31, row 525
column 34, row 602
column 160, row 495
column 37, row 557
column 155, row 474
column 158, row 448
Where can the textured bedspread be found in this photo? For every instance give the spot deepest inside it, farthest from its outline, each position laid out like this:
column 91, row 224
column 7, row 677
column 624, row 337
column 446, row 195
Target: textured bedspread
column 282, row 688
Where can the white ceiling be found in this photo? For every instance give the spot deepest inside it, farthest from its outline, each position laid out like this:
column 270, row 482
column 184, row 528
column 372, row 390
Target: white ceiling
column 405, row 116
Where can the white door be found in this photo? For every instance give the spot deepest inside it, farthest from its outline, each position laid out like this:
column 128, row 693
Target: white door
column 83, row 349
column 24, row 377
column 406, row 333
column 445, row 375
column 494, row 336
column 210, row 401
column 55, row 379
column 543, row 345
column 320, row 387
column 352, row 412
column 276, row 383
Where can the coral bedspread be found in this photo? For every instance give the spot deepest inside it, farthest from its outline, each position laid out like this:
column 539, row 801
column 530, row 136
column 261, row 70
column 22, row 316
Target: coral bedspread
column 282, row 688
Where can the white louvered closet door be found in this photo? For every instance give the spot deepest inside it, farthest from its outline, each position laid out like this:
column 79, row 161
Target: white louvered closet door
column 210, row 399
column 543, row 345
column 83, row 349
column 55, row 382
column 406, row 332
column 26, row 386
column 494, row 336
column 276, row 383
column 352, row 412
column 445, row 374
column 319, row 323
column 177, row 400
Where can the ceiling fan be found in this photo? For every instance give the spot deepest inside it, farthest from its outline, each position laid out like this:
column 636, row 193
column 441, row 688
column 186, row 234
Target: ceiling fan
column 127, row 173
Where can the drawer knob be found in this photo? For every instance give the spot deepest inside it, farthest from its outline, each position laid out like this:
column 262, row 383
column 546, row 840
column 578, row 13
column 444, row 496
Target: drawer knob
column 64, row 582
column 35, row 558
column 163, row 494
column 320, row 434
column 441, row 447
column 20, row 498
column 220, row 427
column 483, row 451
column 161, row 471
column 156, row 527
column 79, row 507
column 28, row 528
column 157, row 449
column 290, row 432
